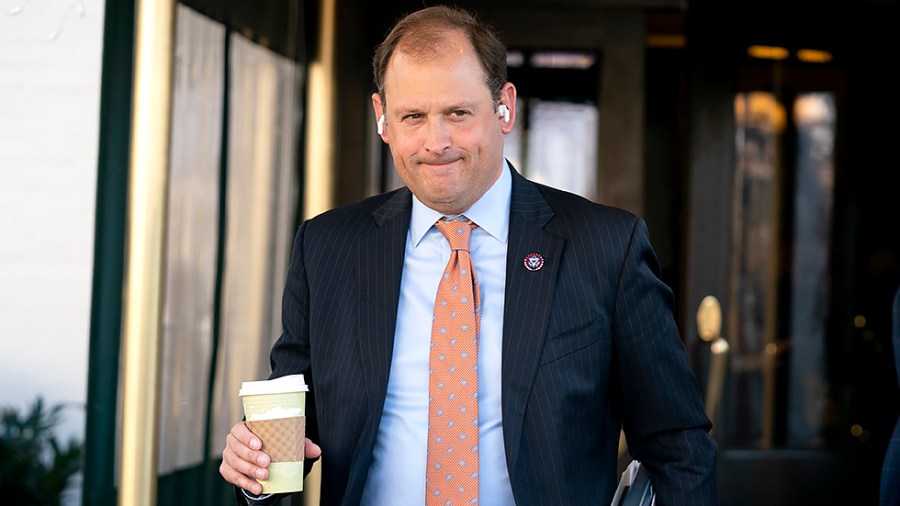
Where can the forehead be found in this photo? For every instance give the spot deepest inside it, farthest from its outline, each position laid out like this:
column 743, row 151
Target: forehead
column 448, row 68
column 429, row 41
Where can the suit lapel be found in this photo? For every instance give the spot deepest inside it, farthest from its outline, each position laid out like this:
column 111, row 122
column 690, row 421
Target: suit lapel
column 527, row 305
column 380, row 264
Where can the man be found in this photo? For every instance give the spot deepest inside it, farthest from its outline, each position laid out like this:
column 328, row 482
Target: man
column 576, row 336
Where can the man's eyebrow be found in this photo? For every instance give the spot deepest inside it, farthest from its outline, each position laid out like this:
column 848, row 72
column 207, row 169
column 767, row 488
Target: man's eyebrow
column 411, row 109
column 461, row 105
column 400, row 113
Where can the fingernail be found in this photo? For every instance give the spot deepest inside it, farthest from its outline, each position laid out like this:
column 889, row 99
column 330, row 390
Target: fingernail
column 261, row 474
column 257, row 489
column 262, row 460
column 256, row 444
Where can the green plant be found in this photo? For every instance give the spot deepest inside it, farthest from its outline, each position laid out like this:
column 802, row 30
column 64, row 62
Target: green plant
column 34, row 467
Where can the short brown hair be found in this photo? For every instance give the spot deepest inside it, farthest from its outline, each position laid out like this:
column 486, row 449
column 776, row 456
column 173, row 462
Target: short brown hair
column 426, row 29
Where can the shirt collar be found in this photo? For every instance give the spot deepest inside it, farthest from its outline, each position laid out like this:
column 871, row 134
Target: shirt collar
column 490, row 212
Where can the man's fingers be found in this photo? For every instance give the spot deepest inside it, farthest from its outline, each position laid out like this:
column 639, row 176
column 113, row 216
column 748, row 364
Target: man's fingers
column 243, row 434
column 246, row 445
column 236, row 478
column 241, row 463
column 244, row 460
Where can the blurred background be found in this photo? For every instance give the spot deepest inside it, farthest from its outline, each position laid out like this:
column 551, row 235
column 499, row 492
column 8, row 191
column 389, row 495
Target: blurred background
column 758, row 140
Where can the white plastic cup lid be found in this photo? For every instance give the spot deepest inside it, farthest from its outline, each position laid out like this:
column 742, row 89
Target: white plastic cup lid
column 284, row 384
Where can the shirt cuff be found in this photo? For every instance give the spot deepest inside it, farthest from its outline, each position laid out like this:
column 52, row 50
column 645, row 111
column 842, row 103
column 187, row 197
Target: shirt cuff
column 254, row 499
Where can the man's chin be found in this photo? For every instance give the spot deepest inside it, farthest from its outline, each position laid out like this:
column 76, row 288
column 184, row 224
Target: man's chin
column 444, row 203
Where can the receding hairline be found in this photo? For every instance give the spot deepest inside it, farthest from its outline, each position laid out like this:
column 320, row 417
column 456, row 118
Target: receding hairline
column 428, row 41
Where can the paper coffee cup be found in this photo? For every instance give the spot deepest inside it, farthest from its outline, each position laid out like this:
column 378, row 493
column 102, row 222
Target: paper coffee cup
column 275, row 411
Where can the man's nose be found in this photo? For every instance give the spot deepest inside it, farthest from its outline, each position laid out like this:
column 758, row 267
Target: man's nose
column 437, row 136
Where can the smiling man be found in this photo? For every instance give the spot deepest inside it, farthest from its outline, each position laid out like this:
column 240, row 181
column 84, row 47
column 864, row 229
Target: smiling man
column 474, row 337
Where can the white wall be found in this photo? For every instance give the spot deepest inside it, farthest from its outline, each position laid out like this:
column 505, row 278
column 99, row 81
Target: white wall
column 50, row 63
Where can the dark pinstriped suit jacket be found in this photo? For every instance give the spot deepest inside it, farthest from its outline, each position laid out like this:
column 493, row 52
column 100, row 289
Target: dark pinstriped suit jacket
column 589, row 342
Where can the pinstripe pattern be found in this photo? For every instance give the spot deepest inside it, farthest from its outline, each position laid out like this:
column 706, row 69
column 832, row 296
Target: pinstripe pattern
column 589, row 343
column 890, row 470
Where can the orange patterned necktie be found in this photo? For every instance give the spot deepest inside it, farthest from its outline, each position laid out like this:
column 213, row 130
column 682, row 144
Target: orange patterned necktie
column 452, row 473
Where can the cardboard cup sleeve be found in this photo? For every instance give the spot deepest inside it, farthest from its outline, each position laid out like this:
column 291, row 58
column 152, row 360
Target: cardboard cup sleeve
column 282, row 438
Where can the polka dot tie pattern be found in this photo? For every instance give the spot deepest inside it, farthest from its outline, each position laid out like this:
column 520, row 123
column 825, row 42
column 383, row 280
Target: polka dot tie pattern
column 452, row 473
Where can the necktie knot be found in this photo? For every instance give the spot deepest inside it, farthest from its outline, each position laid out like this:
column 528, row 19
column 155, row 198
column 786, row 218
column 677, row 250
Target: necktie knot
column 457, row 231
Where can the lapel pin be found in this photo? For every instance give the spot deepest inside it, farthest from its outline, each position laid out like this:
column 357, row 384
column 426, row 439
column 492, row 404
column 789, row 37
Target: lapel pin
column 534, row 262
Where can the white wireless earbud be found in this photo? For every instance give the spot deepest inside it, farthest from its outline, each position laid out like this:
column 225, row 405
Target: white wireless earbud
column 503, row 111
column 380, row 127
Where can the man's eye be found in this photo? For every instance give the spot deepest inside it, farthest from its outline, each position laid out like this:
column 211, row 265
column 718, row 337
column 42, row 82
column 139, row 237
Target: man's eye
column 460, row 113
column 413, row 116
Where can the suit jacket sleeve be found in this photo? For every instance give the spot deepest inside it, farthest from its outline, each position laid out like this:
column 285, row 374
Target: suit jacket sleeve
column 663, row 417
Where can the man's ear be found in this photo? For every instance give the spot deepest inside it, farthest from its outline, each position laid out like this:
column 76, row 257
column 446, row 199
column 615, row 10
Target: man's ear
column 378, row 107
column 508, row 98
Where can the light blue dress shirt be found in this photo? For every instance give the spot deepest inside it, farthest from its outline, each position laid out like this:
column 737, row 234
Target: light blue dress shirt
column 397, row 474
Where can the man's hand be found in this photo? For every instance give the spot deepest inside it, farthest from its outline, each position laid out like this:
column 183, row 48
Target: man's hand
column 243, row 462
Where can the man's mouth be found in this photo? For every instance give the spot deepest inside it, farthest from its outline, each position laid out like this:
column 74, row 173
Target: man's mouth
column 439, row 162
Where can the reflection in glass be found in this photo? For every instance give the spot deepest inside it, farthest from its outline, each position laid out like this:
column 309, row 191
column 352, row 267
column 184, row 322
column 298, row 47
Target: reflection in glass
column 190, row 263
column 760, row 120
column 782, row 229
column 562, row 146
column 814, row 116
